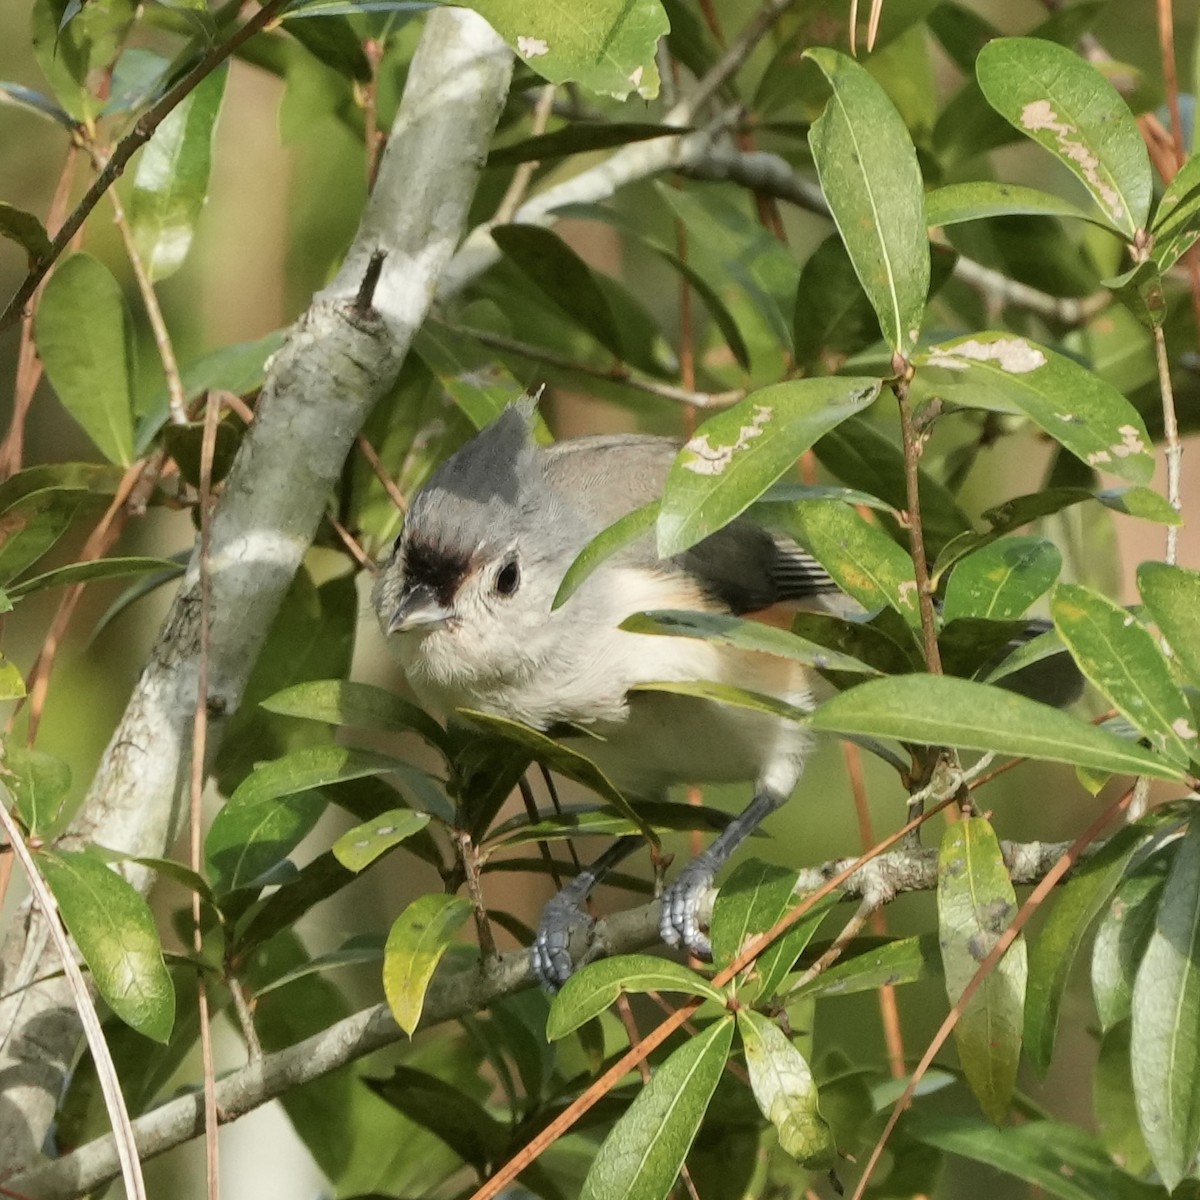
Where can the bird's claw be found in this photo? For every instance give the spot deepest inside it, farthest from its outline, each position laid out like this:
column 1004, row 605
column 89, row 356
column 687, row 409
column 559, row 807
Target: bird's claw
column 550, row 953
column 679, row 924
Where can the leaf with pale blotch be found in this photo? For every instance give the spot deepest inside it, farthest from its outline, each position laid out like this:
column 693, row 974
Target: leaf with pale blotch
column 643, row 1154
column 419, row 937
column 785, row 1091
column 734, row 457
column 359, row 847
column 1166, row 1014
column 115, row 933
column 595, row 988
column 1172, row 595
column 85, row 339
column 976, row 904
column 1079, row 410
column 936, row 710
column 1001, row 580
column 1054, row 96
column 868, row 169
column 1122, row 659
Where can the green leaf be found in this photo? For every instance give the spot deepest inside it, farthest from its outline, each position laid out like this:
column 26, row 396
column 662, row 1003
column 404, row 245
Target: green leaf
column 34, row 102
column 1172, row 595
column 941, row 711
column 608, row 48
column 1006, row 373
column 1061, row 1159
column 71, row 40
column 481, row 386
column 359, row 847
column 957, row 202
column 603, row 546
column 26, row 230
column 868, row 171
column 115, row 933
column 1141, row 502
column 976, row 904
column 1077, row 904
column 358, row 705
column 864, row 561
column 171, row 182
column 725, row 693
column 1113, row 1103
column 784, row 1089
column 646, row 1148
column 906, row 960
column 85, row 339
column 1166, row 1014
column 1120, row 943
column 1052, row 95
column 1001, row 580
column 724, row 630
column 12, row 682
column 832, row 313
column 560, row 758
column 1176, row 225
column 595, row 988
column 93, row 572
column 1122, row 659
column 32, row 524
column 577, row 139
column 39, row 784
column 750, row 901
column 418, row 939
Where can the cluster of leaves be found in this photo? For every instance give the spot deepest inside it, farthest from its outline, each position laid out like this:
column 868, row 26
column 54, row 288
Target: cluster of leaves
column 820, row 348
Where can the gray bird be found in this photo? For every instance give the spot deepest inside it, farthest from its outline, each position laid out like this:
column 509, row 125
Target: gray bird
column 466, row 601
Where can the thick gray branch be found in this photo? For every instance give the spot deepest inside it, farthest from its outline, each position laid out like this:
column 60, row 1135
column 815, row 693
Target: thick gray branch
column 337, row 362
column 454, row 994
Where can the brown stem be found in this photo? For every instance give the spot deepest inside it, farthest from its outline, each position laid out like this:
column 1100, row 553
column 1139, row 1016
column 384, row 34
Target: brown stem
column 1174, row 449
column 125, row 149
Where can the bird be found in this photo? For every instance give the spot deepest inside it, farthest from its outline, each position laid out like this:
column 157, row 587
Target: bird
column 467, row 601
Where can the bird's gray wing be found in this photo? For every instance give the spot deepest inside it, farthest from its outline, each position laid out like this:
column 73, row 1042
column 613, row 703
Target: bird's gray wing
column 742, row 566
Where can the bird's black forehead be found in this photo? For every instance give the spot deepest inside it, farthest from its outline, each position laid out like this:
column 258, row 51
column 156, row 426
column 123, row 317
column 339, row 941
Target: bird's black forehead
column 439, row 568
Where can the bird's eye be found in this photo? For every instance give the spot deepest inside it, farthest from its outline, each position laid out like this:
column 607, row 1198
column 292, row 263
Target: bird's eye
column 508, row 578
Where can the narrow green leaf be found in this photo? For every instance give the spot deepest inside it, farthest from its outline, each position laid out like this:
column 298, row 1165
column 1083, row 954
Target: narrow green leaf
column 171, row 182
column 646, row 1148
column 725, row 693
column 724, row 630
column 864, row 561
column 1052, row 95
column 94, row 572
column 418, row 939
column 1001, row 580
column 359, row 847
column 1165, row 1049
column 1176, row 225
column 1063, row 1160
column 1172, row 595
column 481, row 386
column 603, row 546
column 750, row 901
column 1141, row 502
column 595, row 988
column 1113, row 1103
column 784, row 1089
column 12, row 682
column 115, row 933
column 32, row 524
column 735, row 456
column 610, row 52
column 1073, row 405
column 85, row 339
column 39, row 784
column 358, row 705
column 577, row 139
column 1077, row 904
column 779, row 959
column 833, row 315
column 1122, row 659
column 868, row 170
column 1120, row 943
column 34, row 102
column 957, row 202
column 26, row 230
column 941, row 711
column 976, row 904
column 906, row 960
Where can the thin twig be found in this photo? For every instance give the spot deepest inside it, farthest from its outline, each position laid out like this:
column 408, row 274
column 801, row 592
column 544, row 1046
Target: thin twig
column 245, row 1016
column 106, row 1071
column 1031, row 905
column 369, row 452
column 616, row 374
column 469, row 858
column 360, row 556
column 523, row 175
column 125, row 149
column 1174, row 448
column 208, row 445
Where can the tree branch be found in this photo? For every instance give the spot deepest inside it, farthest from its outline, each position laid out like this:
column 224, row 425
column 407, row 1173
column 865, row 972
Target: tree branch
column 454, row 993
column 320, row 387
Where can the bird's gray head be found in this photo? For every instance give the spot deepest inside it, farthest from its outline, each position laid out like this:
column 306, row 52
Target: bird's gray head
column 484, row 547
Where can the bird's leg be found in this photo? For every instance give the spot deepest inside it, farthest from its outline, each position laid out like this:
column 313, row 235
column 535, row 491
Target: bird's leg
column 564, row 915
column 679, row 923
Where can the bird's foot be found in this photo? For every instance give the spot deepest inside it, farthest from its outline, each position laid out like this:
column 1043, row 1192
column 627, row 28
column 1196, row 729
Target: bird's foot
column 562, row 919
column 679, row 924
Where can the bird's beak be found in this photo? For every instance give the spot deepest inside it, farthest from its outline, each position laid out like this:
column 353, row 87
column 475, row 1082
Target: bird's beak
column 418, row 608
